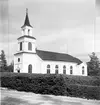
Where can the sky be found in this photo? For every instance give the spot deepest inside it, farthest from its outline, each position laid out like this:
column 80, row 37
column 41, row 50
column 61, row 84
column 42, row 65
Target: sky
column 64, row 26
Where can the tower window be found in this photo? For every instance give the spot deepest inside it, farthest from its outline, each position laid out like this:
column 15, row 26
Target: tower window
column 28, row 31
column 64, row 69
column 29, row 46
column 18, row 59
column 23, row 30
column 56, row 69
column 71, row 70
column 20, row 46
column 48, row 69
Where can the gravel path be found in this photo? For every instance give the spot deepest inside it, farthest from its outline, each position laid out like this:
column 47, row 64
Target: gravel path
column 12, row 97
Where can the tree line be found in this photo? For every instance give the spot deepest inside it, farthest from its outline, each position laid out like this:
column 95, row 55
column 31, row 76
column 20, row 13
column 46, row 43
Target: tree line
column 93, row 66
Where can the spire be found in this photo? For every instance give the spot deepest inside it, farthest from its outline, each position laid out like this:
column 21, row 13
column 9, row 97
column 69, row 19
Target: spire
column 26, row 22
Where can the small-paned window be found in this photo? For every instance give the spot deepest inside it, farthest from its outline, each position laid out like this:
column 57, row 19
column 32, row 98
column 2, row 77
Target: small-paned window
column 71, row 70
column 64, row 69
column 20, row 46
column 18, row 59
column 83, row 70
column 29, row 46
column 56, row 69
column 48, row 69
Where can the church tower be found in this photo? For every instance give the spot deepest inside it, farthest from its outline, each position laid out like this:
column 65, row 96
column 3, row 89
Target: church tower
column 26, row 47
column 27, row 43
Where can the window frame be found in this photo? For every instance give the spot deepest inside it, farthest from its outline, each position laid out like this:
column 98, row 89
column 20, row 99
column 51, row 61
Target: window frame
column 21, row 46
column 71, row 69
column 48, row 69
column 64, row 69
column 56, row 69
column 30, row 68
column 29, row 46
column 83, row 71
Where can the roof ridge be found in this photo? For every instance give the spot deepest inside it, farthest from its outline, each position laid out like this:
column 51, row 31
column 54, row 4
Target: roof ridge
column 53, row 52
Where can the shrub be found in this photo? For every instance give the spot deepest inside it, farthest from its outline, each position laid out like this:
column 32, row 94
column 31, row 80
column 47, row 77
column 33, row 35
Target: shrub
column 89, row 92
column 77, row 86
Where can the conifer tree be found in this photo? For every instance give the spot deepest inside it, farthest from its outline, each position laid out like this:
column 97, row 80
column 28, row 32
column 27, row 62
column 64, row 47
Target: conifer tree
column 93, row 65
column 3, row 62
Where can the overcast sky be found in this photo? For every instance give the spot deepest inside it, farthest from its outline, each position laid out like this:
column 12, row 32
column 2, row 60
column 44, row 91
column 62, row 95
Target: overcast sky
column 65, row 26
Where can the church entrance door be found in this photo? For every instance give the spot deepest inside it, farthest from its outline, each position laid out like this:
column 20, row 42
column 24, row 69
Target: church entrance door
column 30, row 68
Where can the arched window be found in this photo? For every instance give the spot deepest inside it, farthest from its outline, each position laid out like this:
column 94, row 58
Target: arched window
column 56, row 69
column 29, row 68
column 71, row 69
column 20, row 46
column 48, row 69
column 83, row 70
column 48, row 66
column 29, row 46
column 64, row 69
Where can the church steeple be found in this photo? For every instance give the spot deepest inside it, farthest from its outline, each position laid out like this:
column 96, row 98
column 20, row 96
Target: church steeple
column 26, row 22
column 26, row 28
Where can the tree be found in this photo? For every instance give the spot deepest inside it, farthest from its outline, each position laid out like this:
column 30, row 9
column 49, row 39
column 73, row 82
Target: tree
column 11, row 67
column 93, row 65
column 3, row 62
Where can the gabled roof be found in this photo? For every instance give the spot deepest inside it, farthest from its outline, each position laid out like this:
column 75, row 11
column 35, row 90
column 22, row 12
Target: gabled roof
column 53, row 56
column 26, row 22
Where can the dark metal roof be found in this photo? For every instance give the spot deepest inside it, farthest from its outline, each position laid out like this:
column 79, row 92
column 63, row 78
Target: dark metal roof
column 26, row 22
column 27, row 37
column 53, row 56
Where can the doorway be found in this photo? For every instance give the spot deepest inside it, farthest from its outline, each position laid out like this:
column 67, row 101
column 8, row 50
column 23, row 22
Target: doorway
column 30, row 68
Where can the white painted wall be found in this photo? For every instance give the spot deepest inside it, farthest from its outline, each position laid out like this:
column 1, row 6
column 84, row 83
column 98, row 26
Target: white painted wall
column 77, row 69
column 32, row 59
column 18, row 64
column 85, row 68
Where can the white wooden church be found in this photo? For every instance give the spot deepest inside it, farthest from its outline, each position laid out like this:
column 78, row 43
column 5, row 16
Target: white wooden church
column 28, row 59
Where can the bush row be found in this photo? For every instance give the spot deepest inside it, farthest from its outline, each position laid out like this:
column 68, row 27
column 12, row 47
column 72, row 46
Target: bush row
column 50, row 84
column 69, row 79
column 83, row 80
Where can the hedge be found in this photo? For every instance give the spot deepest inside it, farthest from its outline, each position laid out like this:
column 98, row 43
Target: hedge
column 77, row 86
